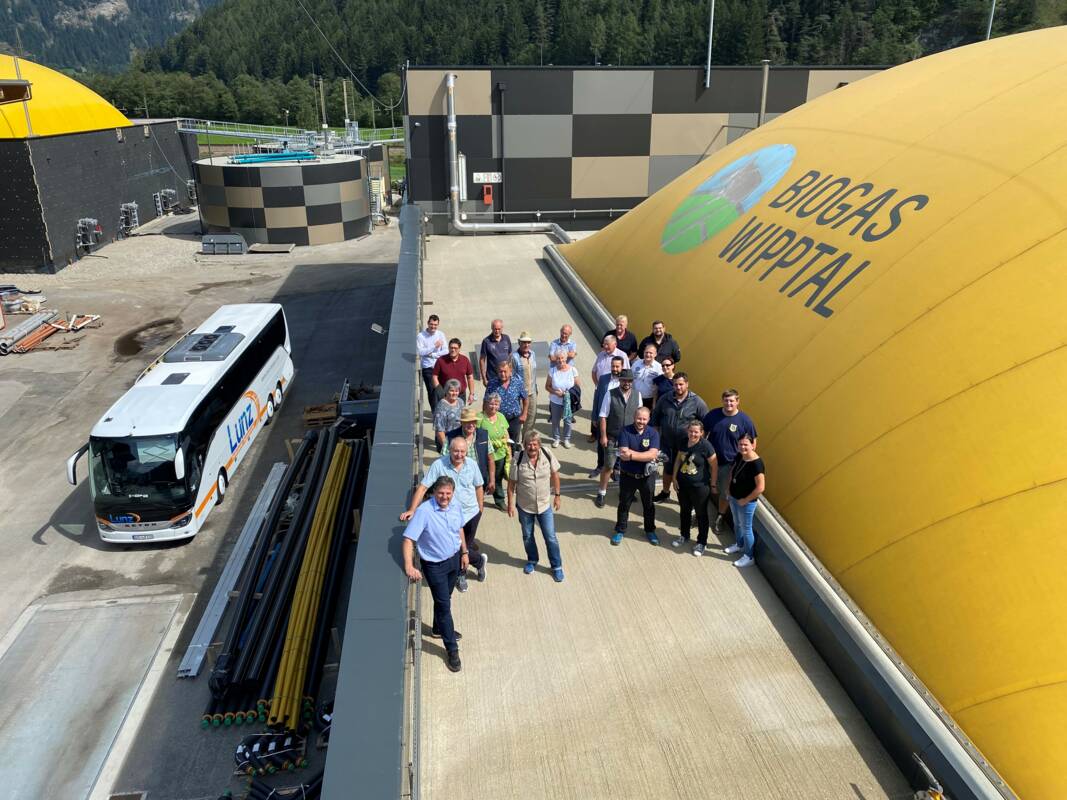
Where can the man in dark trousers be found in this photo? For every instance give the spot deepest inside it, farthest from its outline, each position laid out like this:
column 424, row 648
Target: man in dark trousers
column 604, row 384
column 496, row 348
column 671, row 417
column 624, row 337
column 435, row 530
column 638, row 449
column 430, row 344
column 666, row 347
column 615, row 409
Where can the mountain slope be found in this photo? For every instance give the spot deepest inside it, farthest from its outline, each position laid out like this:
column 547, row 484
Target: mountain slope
column 92, row 34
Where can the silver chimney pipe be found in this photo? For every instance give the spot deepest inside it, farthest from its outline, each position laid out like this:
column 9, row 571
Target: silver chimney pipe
column 453, row 189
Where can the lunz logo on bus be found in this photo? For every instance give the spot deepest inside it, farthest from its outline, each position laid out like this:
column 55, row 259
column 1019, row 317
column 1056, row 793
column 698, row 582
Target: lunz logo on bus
column 236, row 433
column 124, row 519
column 811, row 270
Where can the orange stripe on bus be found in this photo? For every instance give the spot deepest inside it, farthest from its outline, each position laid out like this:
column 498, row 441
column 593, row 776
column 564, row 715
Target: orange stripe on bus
column 210, row 494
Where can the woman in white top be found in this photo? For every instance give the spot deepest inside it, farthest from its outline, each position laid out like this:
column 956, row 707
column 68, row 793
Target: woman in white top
column 561, row 377
column 645, row 371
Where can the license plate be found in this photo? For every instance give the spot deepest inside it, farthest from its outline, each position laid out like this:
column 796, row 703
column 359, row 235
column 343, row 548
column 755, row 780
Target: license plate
column 139, row 537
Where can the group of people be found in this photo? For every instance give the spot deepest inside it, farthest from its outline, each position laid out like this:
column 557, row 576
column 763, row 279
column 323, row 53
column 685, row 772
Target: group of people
column 645, row 422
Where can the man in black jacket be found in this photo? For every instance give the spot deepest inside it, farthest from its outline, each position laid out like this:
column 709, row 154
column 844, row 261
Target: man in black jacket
column 666, row 347
column 671, row 417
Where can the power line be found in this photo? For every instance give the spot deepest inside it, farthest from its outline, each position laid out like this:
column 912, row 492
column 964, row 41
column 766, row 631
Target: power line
column 337, row 55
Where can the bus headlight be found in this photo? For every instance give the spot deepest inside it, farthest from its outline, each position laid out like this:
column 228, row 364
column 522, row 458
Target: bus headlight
column 181, row 522
column 104, row 526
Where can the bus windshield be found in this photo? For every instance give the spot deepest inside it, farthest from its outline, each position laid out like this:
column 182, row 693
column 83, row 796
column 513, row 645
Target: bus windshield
column 137, row 470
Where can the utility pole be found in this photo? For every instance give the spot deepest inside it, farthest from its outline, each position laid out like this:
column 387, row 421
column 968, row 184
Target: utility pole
column 344, row 88
column 322, row 101
column 989, row 27
column 711, row 30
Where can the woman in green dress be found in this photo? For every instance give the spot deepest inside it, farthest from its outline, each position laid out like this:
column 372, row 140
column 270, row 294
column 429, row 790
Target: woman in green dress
column 497, row 426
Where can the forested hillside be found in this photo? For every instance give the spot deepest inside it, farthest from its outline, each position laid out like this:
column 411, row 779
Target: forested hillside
column 79, row 34
column 250, row 59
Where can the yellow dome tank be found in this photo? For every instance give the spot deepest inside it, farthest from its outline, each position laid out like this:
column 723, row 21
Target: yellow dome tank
column 59, row 104
column 882, row 273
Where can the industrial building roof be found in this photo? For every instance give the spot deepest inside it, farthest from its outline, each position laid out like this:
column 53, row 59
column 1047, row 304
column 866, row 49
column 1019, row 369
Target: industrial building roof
column 58, row 104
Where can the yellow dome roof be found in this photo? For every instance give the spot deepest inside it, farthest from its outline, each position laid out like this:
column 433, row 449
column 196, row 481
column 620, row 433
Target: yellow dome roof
column 882, row 274
column 59, row 104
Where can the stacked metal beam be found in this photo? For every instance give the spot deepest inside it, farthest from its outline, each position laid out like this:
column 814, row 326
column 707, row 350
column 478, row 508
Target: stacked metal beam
column 273, row 653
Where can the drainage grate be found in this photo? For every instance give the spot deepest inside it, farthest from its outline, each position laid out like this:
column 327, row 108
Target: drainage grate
column 128, row 796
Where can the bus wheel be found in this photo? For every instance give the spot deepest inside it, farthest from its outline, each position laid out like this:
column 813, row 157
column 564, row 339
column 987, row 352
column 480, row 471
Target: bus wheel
column 220, row 487
column 270, row 411
column 278, row 393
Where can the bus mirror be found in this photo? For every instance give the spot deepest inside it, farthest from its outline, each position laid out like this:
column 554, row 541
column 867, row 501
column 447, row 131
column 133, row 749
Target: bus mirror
column 179, row 464
column 72, row 465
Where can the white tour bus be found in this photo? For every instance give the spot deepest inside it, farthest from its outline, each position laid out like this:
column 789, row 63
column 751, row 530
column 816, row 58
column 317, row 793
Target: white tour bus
column 163, row 454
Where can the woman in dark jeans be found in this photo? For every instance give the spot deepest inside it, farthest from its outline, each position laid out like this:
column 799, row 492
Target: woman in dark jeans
column 692, row 476
column 747, row 482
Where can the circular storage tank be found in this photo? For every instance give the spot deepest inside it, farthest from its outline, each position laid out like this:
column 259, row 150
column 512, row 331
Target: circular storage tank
column 285, row 202
column 881, row 272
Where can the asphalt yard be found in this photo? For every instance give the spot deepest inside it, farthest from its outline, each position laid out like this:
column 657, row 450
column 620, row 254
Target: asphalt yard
column 91, row 634
column 647, row 673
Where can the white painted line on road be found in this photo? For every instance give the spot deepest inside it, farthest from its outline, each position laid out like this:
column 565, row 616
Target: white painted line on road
column 138, row 709
column 14, row 631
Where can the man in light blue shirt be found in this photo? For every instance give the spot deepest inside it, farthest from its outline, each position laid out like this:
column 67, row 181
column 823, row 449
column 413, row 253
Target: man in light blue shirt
column 434, row 530
column 467, row 476
column 565, row 343
column 430, row 344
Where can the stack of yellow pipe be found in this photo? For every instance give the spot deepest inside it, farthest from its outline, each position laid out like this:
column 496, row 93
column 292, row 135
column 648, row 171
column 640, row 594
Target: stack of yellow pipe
column 289, row 686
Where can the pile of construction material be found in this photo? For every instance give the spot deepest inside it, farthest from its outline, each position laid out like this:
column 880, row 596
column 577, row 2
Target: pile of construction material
column 270, row 665
column 26, row 332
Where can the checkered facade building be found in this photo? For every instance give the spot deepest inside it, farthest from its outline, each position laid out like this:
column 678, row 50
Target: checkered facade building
column 585, row 139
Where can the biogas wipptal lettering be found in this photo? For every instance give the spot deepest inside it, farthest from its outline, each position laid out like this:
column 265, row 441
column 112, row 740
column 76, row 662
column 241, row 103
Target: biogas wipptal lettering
column 802, row 266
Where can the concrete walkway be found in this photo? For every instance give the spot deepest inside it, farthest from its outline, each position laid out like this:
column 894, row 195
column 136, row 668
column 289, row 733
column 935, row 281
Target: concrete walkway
column 647, row 673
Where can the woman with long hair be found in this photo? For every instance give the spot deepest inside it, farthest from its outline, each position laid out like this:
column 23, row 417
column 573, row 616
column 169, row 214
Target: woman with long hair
column 747, row 483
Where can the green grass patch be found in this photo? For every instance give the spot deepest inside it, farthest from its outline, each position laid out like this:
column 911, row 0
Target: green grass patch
column 398, row 168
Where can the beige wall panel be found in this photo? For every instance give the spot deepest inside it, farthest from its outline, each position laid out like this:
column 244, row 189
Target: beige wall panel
column 351, row 190
column 216, row 215
column 821, row 81
column 326, row 234
column 609, row 176
column 426, row 92
column 688, row 134
column 286, row 217
column 244, row 196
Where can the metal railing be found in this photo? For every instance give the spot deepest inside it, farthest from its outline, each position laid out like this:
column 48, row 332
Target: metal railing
column 281, row 133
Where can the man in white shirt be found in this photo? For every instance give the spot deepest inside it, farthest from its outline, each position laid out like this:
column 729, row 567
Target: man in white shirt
column 430, row 345
column 645, row 372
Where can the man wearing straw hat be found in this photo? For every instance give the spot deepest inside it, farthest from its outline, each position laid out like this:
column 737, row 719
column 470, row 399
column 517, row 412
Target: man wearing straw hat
column 526, row 368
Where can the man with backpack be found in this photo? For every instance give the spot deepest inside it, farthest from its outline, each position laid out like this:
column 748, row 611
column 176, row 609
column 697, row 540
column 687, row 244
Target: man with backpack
column 533, row 488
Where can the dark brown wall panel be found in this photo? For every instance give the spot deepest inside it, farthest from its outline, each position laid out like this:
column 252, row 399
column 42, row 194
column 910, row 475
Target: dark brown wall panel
column 530, row 181
column 611, row 135
column 532, row 91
